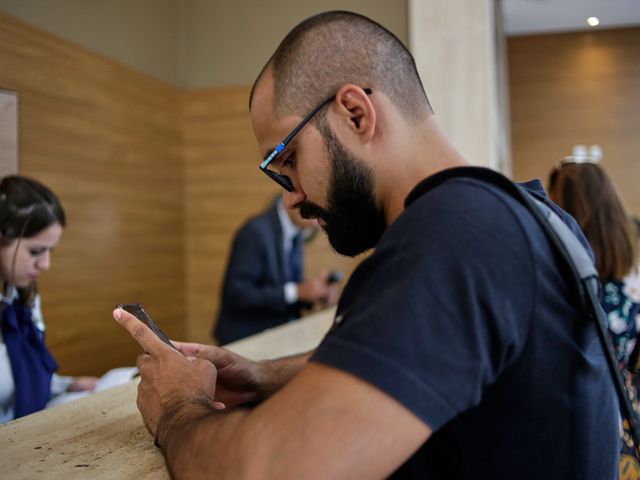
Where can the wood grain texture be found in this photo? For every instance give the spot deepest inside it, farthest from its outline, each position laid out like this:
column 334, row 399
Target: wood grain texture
column 577, row 88
column 223, row 188
column 107, row 140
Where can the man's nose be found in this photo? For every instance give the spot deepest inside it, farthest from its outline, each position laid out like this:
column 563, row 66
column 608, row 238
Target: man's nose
column 291, row 199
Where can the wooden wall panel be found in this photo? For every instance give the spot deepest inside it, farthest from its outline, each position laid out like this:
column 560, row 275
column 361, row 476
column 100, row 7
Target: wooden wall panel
column 223, row 189
column 107, row 140
column 577, row 88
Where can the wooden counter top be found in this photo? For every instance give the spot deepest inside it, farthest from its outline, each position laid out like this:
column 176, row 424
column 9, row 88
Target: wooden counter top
column 102, row 436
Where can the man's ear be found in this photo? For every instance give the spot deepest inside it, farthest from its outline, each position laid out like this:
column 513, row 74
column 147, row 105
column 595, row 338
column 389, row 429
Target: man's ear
column 354, row 105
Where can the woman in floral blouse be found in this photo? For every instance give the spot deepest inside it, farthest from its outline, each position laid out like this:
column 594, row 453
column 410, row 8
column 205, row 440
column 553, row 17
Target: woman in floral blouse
column 583, row 189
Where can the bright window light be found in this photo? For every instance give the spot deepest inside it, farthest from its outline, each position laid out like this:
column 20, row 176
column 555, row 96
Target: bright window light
column 593, row 21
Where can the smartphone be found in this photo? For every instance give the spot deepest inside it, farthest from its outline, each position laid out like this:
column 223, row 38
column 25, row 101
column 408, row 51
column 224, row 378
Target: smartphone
column 334, row 277
column 137, row 311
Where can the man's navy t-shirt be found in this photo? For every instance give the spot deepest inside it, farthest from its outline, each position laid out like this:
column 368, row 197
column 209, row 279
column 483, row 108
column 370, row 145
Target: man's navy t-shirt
column 463, row 316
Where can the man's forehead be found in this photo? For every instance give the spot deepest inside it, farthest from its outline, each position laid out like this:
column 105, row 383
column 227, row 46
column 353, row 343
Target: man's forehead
column 262, row 102
column 269, row 127
column 263, row 92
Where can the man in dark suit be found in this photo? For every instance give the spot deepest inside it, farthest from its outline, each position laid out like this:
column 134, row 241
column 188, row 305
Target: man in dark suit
column 263, row 285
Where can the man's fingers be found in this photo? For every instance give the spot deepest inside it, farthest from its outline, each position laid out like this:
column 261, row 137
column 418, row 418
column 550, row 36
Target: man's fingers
column 188, row 349
column 216, row 355
column 142, row 334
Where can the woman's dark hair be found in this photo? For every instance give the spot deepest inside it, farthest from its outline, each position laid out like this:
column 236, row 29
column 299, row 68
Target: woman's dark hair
column 587, row 193
column 26, row 208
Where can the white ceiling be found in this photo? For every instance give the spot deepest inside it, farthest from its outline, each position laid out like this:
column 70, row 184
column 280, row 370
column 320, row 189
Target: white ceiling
column 546, row 16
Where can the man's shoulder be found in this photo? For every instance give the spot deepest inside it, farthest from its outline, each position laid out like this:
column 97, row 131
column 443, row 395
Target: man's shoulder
column 481, row 196
column 464, row 198
column 463, row 216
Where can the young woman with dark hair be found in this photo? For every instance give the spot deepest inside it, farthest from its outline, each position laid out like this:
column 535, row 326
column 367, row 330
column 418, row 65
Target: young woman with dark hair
column 585, row 191
column 31, row 223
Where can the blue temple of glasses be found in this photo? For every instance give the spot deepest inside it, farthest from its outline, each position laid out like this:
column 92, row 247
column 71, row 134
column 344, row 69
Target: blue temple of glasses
column 275, row 152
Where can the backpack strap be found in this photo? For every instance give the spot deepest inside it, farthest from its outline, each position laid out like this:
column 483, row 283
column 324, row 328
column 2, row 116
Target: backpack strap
column 587, row 281
column 575, row 261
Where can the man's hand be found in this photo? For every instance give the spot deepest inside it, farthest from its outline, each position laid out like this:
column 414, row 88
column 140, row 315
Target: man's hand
column 238, row 378
column 241, row 380
column 316, row 289
column 332, row 296
column 172, row 386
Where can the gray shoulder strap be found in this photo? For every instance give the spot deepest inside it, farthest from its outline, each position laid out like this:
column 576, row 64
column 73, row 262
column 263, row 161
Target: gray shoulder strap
column 576, row 251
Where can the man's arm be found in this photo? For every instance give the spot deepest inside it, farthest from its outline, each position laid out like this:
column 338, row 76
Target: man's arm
column 324, row 423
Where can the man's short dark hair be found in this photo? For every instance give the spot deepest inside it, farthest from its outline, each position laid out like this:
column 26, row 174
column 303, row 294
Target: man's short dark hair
column 333, row 48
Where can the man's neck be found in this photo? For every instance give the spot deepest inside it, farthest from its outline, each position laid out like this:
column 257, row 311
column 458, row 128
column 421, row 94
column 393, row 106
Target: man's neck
column 426, row 152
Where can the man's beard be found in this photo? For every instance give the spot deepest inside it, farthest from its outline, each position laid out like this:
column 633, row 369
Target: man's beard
column 353, row 223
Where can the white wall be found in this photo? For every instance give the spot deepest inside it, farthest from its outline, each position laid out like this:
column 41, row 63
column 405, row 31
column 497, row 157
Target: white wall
column 456, row 47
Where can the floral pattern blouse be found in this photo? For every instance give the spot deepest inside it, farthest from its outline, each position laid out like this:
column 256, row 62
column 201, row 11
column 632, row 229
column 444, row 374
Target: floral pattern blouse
column 621, row 303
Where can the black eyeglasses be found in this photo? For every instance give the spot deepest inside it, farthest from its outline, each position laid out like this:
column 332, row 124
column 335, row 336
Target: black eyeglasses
column 283, row 180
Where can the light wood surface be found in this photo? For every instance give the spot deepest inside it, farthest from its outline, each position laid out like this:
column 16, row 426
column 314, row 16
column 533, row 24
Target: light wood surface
column 102, row 436
column 577, row 88
column 295, row 337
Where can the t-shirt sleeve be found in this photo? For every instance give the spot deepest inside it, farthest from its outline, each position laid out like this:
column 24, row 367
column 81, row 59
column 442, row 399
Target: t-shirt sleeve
column 442, row 307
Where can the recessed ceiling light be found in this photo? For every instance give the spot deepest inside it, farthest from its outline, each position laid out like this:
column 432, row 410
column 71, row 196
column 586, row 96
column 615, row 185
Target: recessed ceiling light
column 593, row 21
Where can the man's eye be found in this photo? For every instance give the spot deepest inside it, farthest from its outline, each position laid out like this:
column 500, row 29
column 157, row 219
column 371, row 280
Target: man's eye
column 37, row 251
column 289, row 162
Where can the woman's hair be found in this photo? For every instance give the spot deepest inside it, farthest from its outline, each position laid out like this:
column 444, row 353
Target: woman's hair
column 27, row 207
column 585, row 191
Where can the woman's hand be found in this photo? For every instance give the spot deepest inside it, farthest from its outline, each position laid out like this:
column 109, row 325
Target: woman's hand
column 83, row 384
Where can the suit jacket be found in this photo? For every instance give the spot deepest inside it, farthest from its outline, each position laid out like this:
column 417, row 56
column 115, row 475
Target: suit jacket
column 253, row 290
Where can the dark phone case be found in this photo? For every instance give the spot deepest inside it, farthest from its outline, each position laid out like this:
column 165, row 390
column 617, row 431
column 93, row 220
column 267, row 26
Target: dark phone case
column 137, row 311
column 334, row 277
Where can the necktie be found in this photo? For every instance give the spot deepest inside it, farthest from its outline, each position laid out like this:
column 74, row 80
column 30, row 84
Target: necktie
column 295, row 259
